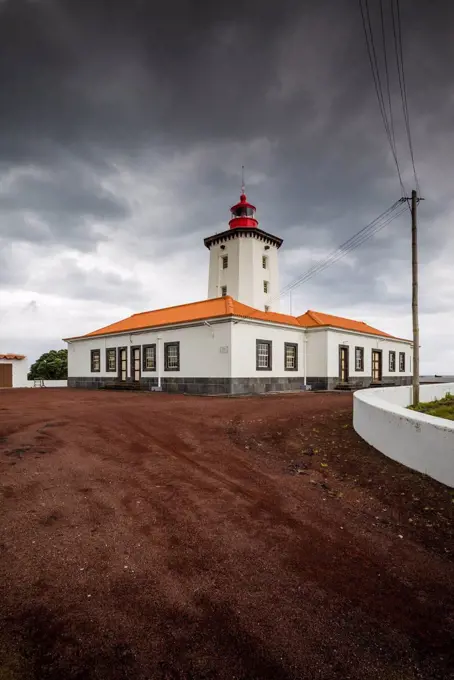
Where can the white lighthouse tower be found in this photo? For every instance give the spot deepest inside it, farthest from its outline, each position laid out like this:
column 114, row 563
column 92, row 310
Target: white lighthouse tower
column 244, row 260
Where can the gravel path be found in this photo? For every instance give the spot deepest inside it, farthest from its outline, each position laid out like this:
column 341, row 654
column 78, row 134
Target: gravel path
column 157, row 536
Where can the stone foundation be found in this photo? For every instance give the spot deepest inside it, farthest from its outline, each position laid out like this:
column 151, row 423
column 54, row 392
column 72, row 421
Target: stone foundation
column 225, row 385
column 237, row 386
column 202, row 386
column 90, row 383
column 359, row 382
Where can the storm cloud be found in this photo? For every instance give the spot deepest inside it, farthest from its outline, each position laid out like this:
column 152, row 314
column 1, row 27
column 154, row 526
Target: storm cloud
column 124, row 125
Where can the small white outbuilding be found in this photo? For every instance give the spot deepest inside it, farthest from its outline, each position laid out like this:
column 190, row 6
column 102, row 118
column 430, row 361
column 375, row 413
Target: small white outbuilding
column 13, row 370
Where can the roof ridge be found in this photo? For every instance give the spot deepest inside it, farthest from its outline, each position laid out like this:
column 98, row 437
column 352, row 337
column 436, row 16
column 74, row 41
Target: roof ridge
column 314, row 316
column 185, row 304
column 229, row 307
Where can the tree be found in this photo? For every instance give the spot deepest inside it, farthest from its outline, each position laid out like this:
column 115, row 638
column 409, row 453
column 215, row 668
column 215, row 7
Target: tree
column 52, row 365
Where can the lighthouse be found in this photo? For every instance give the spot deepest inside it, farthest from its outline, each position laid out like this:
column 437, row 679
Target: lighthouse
column 244, row 260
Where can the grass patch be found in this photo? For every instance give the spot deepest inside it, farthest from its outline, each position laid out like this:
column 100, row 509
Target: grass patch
column 441, row 408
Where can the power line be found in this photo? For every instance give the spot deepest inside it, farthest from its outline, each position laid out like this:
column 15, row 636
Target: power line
column 397, row 32
column 385, row 55
column 361, row 237
column 344, row 247
column 373, row 61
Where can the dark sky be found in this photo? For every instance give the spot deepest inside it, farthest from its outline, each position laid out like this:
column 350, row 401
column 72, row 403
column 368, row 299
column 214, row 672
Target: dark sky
column 123, row 128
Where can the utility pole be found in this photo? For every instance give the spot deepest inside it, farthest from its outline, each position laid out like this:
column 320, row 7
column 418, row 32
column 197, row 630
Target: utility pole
column 414, row 297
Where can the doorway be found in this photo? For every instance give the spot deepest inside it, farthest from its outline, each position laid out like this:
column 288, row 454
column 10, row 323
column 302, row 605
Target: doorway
column 6, row 375
column 122, row 363
column 135, row 363
column 376, row 365
column 343, row 363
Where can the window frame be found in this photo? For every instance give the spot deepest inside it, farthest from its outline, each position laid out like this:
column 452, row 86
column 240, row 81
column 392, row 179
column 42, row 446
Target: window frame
column 293, row 345
column 93, row 353
column 264, row 262
column 225, row 261
column 266, row 287
column 114, row 350
column 144, row 358
column 392, row 354
column 402, row 354
column 270, row 355
column 167, row 345
column 120, row 350
column 223, row 288
column 361, row 350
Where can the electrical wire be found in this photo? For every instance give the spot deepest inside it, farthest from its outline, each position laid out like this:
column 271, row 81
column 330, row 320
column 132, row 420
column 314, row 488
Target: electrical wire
column 344, row 247
column 351, row 243
column 388, row 88
column 397, row 32
column 373, row 61
column 342, row 253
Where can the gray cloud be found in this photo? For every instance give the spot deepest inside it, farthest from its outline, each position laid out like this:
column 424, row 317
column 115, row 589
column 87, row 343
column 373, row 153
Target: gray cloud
column 69, row 280
column 56, row 205
column 91, row 91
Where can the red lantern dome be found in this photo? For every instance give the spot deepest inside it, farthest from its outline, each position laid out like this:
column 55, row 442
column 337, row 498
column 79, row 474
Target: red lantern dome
column 243, row 213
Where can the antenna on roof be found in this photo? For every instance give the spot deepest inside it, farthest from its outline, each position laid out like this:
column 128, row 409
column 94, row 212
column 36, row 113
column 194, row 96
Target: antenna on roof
column 242, row 180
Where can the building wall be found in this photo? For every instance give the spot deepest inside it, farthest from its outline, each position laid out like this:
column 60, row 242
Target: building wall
column 20, row 370
column 352, row 340
column 216, row 359
column 245, row 375
column 245, row 274
column 317, row 353
column 202, row 352
column 221, row 357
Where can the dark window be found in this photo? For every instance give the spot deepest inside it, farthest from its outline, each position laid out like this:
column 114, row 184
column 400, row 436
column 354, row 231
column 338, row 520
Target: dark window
column 264, row 262
column 267, row 308
column 266, row 286
column 291, row 356
column 111, row 359
column 359, row 358
column 263, row 355
column 149, row 358
column 223, row 291
column 171, row 356
column 243, row 211
column 95, row 360
column 225, row 262
column 401, row 362
column 392, row 362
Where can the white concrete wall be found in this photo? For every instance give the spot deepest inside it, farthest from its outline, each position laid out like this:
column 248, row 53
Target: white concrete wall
column 421, row 442
column 200, row 351
column 245, row 274
column 244, row 337
column 20, row 370
column 352, row 340
column 317, row 353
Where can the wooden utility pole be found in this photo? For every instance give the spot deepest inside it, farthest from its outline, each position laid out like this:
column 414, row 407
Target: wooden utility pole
column 414, row 297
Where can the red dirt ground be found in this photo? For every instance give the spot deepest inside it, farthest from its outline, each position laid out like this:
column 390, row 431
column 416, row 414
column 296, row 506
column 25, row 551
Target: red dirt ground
column 157, row 536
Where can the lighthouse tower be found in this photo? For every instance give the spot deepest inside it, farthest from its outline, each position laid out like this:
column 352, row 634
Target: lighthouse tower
column 244, row 260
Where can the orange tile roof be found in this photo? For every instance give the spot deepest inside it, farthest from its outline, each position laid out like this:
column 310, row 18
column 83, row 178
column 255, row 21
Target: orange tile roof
column 311, row 319
column 225, row 307
column 195, row 311
column 12, row 356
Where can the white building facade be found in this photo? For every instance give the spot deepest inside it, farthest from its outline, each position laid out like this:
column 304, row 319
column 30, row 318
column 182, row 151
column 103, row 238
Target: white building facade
column 13, row 370
column 236, row 341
